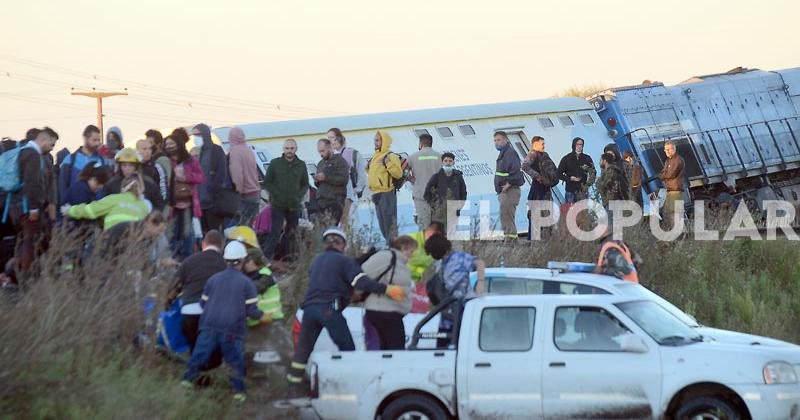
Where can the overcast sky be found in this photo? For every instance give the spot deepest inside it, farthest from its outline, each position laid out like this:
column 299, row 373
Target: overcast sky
column 235, row 61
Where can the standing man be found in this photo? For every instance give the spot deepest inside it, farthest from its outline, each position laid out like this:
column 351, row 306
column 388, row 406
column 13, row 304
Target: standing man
column 507, row 180
column 287, row 183
column 422, row 166
column 543, row 173
column 332, row 279
column 383, row 169
column 634, row 174
column 149, row 172
column 672, row 176
column 577, row 171
column 244, row 175
column 358, row 177
column 215, row 168
column 28, row 204
column 331, row 180
column 445, row 186
column 73, row 164
column 161, row 163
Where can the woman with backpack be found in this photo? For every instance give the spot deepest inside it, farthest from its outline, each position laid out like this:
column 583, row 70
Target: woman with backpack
column 390, row 267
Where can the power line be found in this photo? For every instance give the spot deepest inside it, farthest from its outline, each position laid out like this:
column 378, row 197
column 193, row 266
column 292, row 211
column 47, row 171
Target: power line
column 221, row 98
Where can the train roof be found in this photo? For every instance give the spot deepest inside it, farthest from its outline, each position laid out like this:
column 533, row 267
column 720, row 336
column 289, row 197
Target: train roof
column 405, row 118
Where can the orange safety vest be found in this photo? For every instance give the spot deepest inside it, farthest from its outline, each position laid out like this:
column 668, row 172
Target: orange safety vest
column 633, row 276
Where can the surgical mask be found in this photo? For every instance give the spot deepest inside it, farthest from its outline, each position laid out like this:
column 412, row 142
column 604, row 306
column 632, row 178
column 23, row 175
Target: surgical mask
column 448, row 168
column 499, row 148
column 198, row 140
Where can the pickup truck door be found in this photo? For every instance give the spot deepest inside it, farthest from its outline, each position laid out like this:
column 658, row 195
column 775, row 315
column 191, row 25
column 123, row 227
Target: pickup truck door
column 585, row 372
column 501, row 363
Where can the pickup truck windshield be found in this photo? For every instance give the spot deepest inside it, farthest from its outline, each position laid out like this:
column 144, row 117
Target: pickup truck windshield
column 639, row 291
column 659, row 323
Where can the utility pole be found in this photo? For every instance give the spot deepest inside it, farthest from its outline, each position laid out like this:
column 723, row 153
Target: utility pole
column 99, row 96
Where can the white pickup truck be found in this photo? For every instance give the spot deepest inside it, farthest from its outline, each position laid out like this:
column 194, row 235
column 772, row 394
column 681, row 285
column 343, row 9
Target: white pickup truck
column 561, row 356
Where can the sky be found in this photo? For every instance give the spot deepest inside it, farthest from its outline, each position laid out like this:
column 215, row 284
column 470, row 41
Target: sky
column 246, row 61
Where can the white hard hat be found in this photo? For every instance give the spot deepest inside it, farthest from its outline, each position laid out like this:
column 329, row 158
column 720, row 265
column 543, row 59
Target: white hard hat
column 335, row 231
column 235, row 250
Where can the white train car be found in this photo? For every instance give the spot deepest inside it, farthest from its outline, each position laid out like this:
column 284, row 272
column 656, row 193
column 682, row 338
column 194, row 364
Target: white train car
column 466, row 131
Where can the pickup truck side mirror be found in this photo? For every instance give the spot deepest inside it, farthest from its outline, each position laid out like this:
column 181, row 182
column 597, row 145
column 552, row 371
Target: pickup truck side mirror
column 632, row 343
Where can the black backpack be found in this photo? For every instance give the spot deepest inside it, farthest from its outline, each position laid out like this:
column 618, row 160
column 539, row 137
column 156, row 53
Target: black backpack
column 435, row 287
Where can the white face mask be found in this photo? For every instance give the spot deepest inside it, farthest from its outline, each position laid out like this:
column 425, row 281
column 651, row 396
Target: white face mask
column 198, row 140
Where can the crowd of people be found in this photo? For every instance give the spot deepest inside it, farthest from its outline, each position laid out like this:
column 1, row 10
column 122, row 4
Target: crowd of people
column 188, row 196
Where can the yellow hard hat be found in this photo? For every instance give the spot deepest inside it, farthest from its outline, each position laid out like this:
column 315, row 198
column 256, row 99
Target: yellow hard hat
column 128, row 155
column 242, row 234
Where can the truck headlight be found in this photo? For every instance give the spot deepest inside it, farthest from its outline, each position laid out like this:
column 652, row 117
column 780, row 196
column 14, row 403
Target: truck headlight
column 779, row 373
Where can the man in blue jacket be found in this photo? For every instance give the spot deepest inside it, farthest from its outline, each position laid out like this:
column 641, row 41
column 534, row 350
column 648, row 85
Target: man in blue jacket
column 73, row 164
column 228, row 299
column 507, row 180
column 332, row 280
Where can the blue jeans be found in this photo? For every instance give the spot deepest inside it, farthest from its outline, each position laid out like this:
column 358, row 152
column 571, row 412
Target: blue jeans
column 386, row 211
column 315, row 318
column 232, row 348
column 537, row 192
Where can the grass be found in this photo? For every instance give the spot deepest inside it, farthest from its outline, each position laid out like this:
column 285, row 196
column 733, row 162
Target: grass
column 67, row 347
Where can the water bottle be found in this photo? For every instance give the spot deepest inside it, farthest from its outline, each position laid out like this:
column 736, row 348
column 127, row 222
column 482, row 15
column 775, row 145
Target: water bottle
column 502, row 261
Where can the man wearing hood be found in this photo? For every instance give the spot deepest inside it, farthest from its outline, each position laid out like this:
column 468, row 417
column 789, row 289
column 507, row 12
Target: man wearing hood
column 113, row 145
column 612, row 184
column 577, row 171
column 287, row 183
column 244, row 174
column 445, row 186
column 212, row 160
column 382, row 170
column 507, row 180
column 543, row 173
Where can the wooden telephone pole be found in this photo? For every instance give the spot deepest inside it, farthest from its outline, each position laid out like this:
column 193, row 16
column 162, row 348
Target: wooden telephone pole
column 99, row 96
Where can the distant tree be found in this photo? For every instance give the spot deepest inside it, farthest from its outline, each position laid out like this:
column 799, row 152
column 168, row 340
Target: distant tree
column 583, row 91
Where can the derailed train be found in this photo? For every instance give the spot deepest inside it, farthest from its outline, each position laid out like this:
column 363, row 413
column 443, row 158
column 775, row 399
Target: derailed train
column 739, row 132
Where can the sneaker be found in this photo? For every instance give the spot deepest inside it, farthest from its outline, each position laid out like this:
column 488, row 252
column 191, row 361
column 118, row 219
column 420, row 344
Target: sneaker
column 186, row 384
column 239, row 398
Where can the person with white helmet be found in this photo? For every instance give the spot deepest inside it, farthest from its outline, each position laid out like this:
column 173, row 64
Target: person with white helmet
column 228, row 299
column 333, row 277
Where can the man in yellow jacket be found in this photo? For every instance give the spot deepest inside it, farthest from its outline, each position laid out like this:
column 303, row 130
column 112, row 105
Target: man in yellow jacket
column 127, row 206
column 382, row 170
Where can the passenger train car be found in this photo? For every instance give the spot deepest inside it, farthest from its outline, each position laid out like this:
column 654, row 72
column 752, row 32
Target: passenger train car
column 466, row 131
column 739, row 131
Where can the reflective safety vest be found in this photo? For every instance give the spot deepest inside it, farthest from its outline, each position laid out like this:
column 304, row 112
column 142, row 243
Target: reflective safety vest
column 114, row 209
column 269, row 302
column 633, row 276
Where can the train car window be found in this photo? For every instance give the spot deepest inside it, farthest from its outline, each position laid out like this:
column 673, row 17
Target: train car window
column 546, row 122
column 566, row 121
column 445, row 132
column 466, row 130
column 420, row 131
column 586, row 119
column 262, row 156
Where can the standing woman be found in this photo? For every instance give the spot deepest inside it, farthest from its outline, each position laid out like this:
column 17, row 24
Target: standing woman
column 184, row 200
column 390, row 267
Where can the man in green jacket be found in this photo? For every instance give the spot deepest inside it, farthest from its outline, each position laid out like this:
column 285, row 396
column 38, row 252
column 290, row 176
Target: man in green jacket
column 287, row 183
column 420, row 260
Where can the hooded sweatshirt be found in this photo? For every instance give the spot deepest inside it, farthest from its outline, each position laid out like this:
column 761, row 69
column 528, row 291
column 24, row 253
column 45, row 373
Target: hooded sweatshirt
column 571, row 165
column 212, row 160
column 380, row 171
column 242, row 164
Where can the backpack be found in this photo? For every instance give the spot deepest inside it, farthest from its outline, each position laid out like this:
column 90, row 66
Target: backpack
column 398, row 182
column 548, row 172
column 10, row 179
column 435, row 287
column 362, row 295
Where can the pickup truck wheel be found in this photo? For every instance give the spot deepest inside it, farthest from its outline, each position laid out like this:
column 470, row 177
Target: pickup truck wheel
column 414, row 407
column 707, row 408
